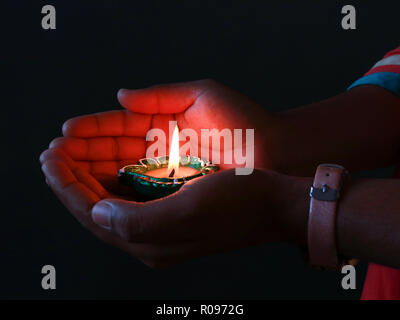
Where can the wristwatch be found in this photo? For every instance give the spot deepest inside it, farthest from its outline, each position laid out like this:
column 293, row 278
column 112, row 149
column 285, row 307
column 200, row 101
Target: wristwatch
column 325, row 194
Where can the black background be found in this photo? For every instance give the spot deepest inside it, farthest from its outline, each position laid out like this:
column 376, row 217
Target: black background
column 280, row 53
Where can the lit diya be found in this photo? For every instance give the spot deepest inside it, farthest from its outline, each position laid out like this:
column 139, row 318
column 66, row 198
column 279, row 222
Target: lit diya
column 160, row 176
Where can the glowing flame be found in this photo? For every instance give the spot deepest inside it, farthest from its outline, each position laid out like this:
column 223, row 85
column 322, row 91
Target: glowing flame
column 173, row 163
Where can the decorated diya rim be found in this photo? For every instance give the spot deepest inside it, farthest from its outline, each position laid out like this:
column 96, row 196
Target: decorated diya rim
column 138, row 172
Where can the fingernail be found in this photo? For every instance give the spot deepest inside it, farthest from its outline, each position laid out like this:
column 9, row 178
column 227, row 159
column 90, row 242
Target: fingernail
column 101, row 215
column 121, row 92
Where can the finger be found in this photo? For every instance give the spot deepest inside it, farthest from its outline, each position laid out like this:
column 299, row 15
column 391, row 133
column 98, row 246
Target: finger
column 167, row 98
column 99, row 176
column 80, row 174
column 161, row 122
column 89, row 181
column 77, row 170
column 108, row 124
column 56, row 154
column 102, row 148
column 159, row 221
column 110, row 167
column 96, row 168
column 76, row 196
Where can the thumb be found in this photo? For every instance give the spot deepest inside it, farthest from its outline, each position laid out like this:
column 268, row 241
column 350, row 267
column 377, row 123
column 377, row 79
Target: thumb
column 166, row 98
column 119, row 216
column 154, row 221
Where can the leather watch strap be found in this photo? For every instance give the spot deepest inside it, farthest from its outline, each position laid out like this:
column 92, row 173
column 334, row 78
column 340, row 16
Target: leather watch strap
column 324, row 193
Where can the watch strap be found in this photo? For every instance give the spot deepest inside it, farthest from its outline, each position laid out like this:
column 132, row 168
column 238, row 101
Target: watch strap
column 324, row 193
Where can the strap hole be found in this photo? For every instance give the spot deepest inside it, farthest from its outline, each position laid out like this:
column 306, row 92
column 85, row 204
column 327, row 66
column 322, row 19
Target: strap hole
column 328, row 174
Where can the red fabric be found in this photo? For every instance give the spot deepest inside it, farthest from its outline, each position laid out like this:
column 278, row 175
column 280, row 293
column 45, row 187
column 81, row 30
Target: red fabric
column 388, row 67
column 385, row 68
column 382, row 283
column 395, row 51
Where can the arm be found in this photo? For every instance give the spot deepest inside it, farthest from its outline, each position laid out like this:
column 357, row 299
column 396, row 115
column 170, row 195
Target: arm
column 223, row 211
column 358, row 129
column 368, row 217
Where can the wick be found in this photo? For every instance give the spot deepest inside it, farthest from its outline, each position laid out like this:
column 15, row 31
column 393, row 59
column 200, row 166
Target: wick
column 172, row 173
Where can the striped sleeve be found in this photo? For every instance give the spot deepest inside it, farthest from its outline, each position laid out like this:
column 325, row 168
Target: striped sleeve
column 385, row 73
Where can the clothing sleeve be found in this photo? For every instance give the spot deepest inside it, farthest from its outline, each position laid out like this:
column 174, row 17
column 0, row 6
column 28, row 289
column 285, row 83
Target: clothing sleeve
column 385, row 73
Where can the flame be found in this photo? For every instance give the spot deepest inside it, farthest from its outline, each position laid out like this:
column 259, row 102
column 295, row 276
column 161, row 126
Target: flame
column 173, row 163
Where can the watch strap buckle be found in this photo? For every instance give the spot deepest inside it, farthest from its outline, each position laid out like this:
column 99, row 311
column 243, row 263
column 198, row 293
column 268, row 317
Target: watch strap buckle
column 324, row 194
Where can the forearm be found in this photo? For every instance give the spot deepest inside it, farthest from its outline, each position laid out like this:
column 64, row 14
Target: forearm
column 368, row 217
column 368, row 225
column 358, row 129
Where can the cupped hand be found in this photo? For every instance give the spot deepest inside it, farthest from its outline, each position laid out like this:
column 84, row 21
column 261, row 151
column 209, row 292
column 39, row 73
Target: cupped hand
column 104, row 142
column 215, row 213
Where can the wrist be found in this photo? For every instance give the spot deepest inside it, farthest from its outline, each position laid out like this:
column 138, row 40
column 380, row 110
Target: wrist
column 274, row 144
column 294, row 203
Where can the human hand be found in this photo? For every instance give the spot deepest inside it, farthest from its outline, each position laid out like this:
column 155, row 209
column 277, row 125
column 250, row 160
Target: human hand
column 215, row 213
column 104, row 142
column 82, row 166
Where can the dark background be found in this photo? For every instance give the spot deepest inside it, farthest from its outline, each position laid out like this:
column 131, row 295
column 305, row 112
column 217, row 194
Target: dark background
column 280, row 53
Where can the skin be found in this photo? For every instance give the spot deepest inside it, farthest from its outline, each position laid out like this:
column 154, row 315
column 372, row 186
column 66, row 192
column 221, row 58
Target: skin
column 220, row 212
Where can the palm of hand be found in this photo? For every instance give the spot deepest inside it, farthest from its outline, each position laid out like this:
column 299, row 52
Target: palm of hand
column 102, row 143
column 81, row 167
